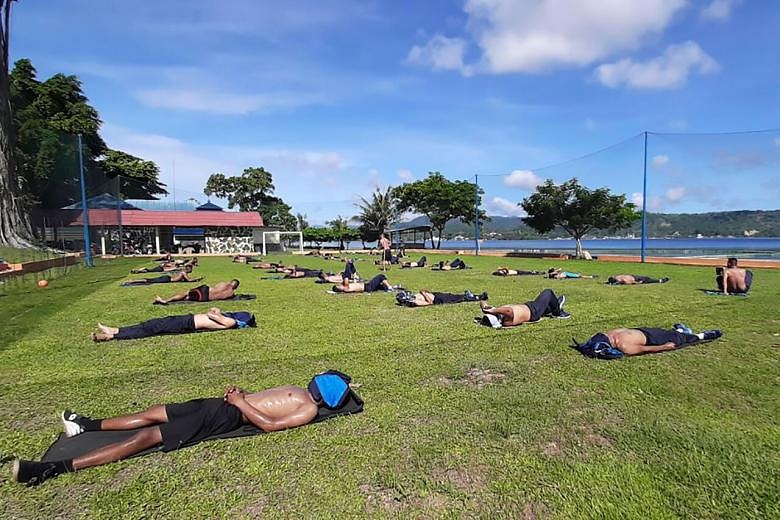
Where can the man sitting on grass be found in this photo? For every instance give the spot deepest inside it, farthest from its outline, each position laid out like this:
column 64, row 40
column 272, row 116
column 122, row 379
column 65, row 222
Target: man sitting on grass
column 505, row 271
column 733, row 279
column 546, row 304
column 172, row 426
column 446, row 265
column 412, row 265
column 617, row 343
column 634, row 279
column 203, row 293
column 214, row 319
column 425, row 298
column 554, row 273
column 182, row 276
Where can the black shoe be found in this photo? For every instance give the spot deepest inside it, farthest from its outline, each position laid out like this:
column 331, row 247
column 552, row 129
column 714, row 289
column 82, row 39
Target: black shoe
column 33, row 473
column 709, row 335
column 483, row 296
column 469, row 296
column 664, row 279
column 72, row 423
column 563, row 315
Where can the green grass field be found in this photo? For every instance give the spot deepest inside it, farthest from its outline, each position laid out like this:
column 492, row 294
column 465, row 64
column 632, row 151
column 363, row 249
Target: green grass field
column 460, row 420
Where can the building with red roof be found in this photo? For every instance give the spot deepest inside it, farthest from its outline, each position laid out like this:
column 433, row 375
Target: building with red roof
column 206, row 229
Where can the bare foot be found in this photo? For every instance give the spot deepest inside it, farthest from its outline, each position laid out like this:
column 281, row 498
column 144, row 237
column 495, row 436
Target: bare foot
column 107, row 330
column 159, row 300
column 485, row 306
column 97, row 337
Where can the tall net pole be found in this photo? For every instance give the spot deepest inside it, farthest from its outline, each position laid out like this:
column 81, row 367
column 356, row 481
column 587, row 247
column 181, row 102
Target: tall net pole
column 644, row 203
column 476, row 214
column 85, row 210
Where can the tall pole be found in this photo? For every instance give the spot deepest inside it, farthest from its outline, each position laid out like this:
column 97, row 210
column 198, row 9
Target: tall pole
column 644, row 204
column 476, row 214
column 119, row 214
column 85, row 210
column 174, row 184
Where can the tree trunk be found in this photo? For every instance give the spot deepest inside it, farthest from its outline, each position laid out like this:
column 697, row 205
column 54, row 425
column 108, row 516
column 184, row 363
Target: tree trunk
column 14, row 222
column 578, row 251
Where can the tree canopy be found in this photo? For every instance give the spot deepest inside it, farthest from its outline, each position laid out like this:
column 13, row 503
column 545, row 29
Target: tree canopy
column 376, row 214
column 48, row 116
column 440, row 200
column 252, row 191
column 577, row 209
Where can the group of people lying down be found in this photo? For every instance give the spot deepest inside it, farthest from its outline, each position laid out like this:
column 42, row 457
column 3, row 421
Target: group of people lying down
column 173, row 426
column 168, row 266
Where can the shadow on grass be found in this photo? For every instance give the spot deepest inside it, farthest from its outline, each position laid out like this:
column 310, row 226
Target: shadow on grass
column 24, row 309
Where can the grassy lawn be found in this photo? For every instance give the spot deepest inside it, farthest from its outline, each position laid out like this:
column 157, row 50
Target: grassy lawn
column 460, row 420
column 15, row 255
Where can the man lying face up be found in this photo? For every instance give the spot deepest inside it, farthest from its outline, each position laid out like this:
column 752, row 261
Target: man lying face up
column 215, row 319
column 173, row 426
column 617, row 343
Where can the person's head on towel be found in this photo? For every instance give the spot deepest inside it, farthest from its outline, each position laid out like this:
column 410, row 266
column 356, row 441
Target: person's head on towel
column 243, row 319
column 330, row 389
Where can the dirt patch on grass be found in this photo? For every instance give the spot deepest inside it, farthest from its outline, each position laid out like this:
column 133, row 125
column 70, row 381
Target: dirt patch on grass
column 535, row 511
column 582, row 440
column 380, row 499
column 470, row 479
column 475, row 377
column 553, row 449
column 431, row 503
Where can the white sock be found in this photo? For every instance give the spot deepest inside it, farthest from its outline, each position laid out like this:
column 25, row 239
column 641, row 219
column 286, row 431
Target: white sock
column 700, row 335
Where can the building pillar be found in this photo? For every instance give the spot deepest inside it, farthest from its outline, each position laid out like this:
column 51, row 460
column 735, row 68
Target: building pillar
column 157, row 239
column 103, row 244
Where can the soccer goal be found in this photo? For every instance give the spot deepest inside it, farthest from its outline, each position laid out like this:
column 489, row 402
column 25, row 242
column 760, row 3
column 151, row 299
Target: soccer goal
column 274, row 237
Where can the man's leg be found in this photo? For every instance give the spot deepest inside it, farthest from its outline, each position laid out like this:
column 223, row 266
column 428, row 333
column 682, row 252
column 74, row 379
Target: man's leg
column 174, row 298
column 443, row 298
column 545, row 304
column 349, row 270
column 657, row 337
column 144, row 439
column 377, row 282
column 155, row 327
column 646, row 279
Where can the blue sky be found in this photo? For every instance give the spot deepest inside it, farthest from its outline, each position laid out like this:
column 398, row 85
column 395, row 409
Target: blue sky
column 337, row 97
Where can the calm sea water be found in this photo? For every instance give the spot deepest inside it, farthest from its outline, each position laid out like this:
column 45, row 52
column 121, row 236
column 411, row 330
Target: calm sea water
column 746, row 247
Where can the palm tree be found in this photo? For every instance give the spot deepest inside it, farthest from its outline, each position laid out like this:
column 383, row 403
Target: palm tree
column 377, row 214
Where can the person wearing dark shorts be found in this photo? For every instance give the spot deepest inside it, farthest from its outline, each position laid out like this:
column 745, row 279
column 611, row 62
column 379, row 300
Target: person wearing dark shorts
column 379, row 282
column 193, row 421
column 173, row 426
column 616, row 343
column 184, row 324
column 198, row 294
column 634, row 279
column 545, row 304
column 425, row 298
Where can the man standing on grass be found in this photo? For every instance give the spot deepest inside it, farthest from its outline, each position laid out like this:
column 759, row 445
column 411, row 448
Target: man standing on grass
column 173, row 426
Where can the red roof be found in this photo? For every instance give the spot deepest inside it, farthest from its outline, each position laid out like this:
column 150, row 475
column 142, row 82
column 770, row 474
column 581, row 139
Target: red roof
column 109, row 217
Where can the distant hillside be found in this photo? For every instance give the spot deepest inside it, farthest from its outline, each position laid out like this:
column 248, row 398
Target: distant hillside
column 722, row 223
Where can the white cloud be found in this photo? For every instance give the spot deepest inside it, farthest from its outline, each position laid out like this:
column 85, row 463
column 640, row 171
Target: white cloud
column 216, row 102
column 777, row 141
column 529, row 36
column 503, row 208
column 405, row 175
column 523, row 179
column 659, row 161
column 719, row 10
column 678, row 124
column 668, row 71
column 675, row 194
column 441, row 53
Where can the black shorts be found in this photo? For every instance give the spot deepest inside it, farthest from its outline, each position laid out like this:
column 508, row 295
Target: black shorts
column 158, row 269
column 199, row 294
column 196, row 420
column 160, row 279
column 387, row 255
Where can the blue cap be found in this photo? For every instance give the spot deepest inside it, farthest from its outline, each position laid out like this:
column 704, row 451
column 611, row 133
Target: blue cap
column 243, row 319
column 330, row 389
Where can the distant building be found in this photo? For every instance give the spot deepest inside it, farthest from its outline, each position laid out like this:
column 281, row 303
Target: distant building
column 206, row 229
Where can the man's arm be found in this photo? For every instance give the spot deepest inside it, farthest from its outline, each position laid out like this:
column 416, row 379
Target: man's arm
column 215, row 315
column 302, row 415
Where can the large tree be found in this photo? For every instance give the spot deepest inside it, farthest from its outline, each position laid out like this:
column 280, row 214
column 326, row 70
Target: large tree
column 48, row 116
column 340, row 231
column 441, row 199
column 376, row 214
column 14, row 223
column 577, row 210
column 252, row 191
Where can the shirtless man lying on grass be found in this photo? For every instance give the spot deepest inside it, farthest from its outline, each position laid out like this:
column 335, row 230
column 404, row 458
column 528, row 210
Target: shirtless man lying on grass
column 617, row 343
column 182, row 276
column 505, row 271
column 203, row 293
column 172, row 426
column 546, row 304
column 634, row 279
